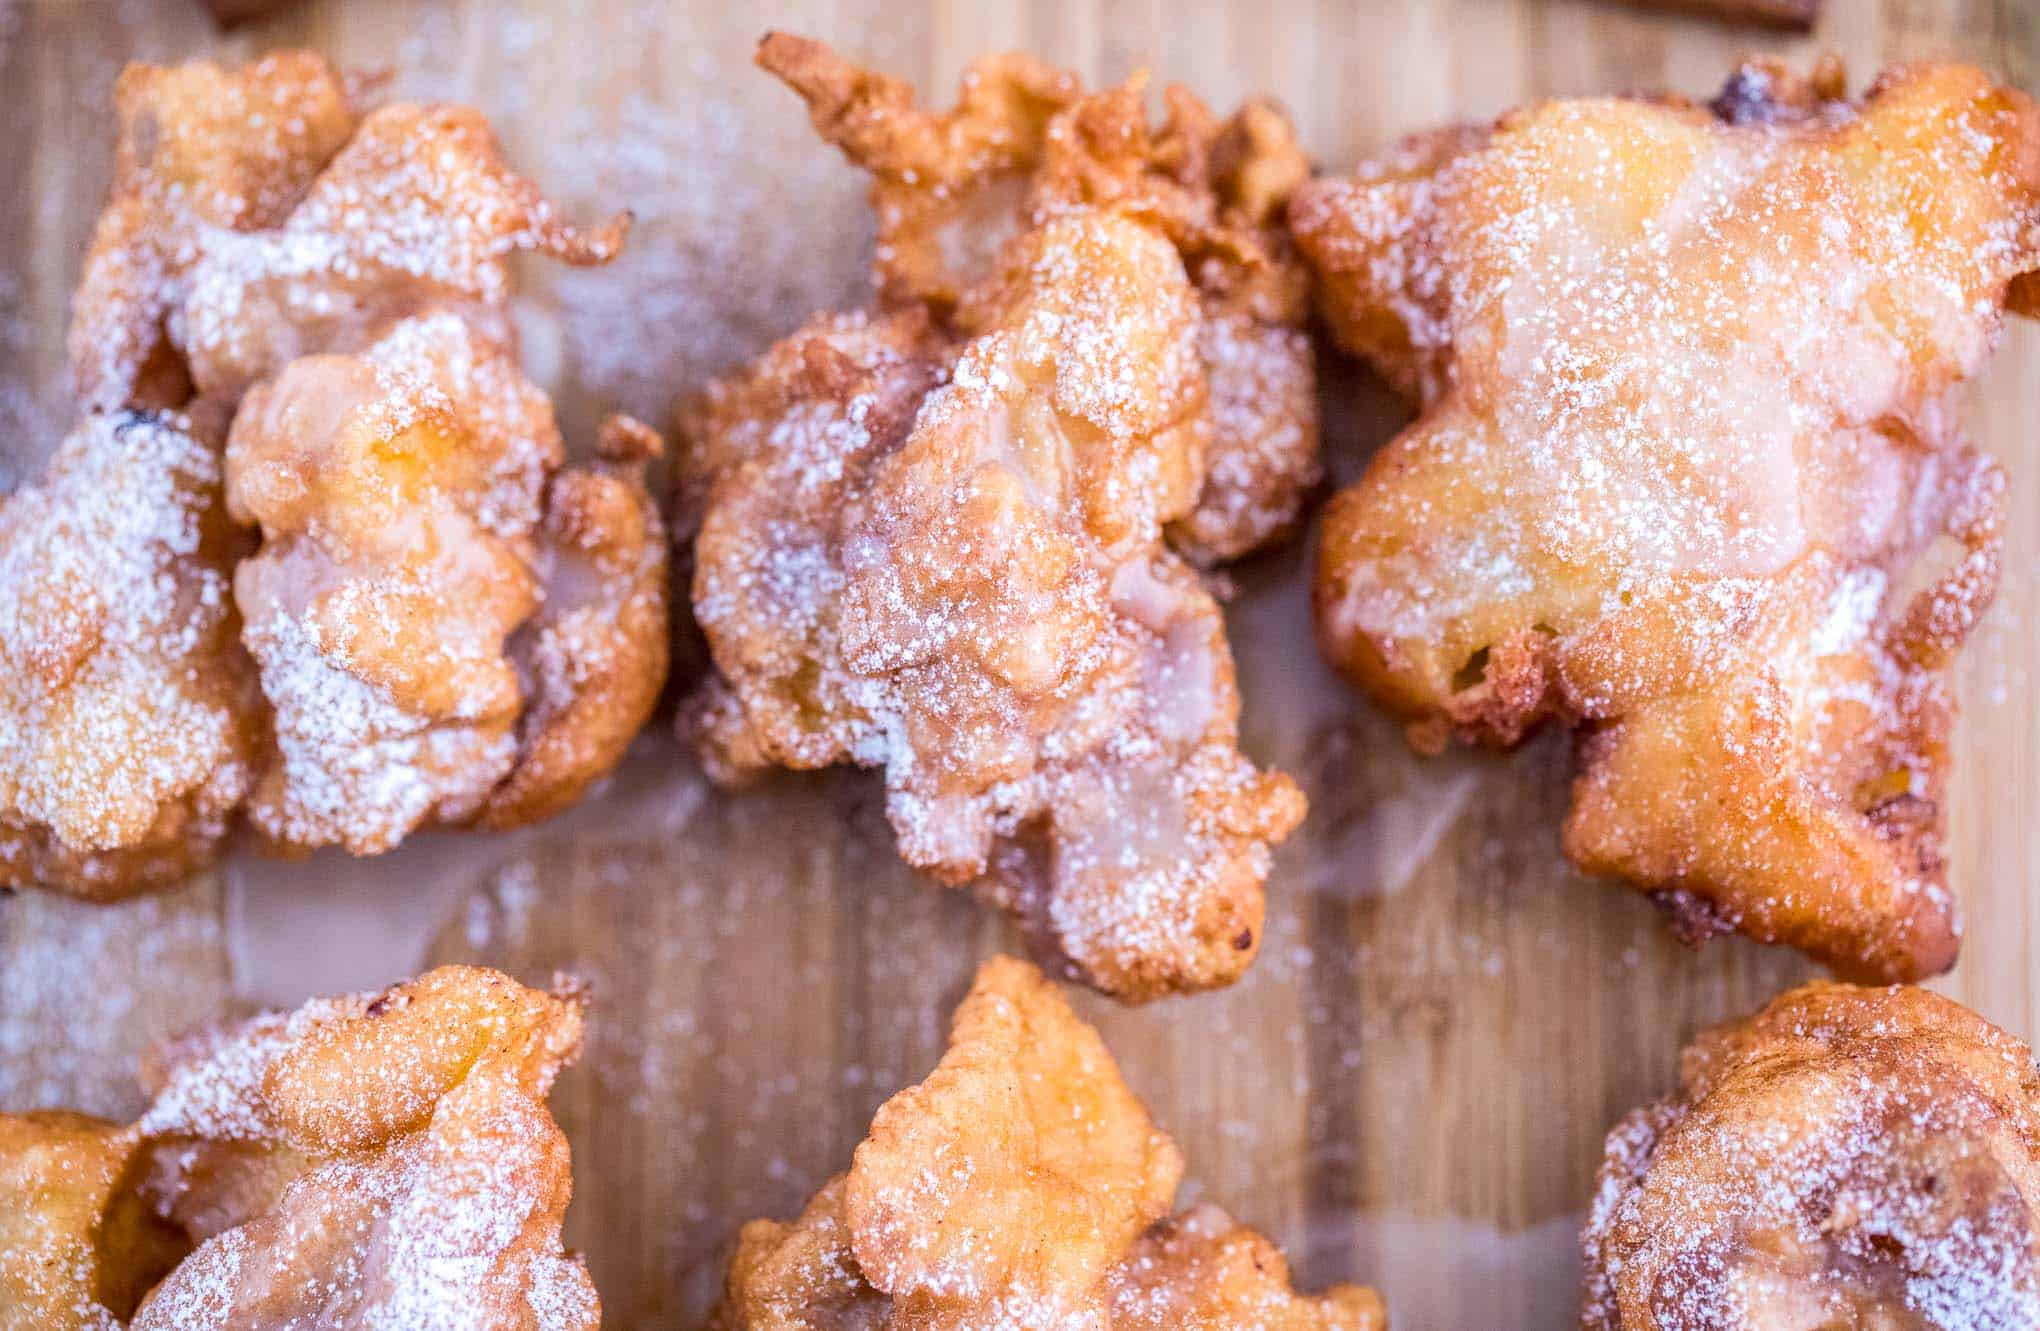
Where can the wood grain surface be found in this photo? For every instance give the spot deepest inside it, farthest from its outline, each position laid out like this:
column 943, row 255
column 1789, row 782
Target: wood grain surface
column 1411, row 1087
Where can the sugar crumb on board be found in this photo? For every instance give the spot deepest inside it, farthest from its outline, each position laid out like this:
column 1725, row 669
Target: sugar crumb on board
column 709, row 276
column 114, row 979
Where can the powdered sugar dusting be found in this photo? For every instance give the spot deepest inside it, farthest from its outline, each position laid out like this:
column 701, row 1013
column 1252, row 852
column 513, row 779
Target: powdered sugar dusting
column 969, row 589
column 124, row 717
column 215, row 1088
column 397, row 494
column 1686, row 434
column 359, row 769
column 712, row 274
column 74, row 1019
column 1850, row 1155
column 416, row 1178
column 336, row 288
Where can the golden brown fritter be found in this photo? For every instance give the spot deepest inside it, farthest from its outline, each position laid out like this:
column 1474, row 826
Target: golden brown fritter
column 78, row 1247
column 1685, row 375
column 396, row 492
column 373, row 1161
column 256, row 216
column 932, row 538
column 1025, row 143
column 201, row 148
column 416, row 215
column 944, row 558
column 1021, row 1185
column 130, row 727
column 593, row 658
column 1845, row 1158
column 409, row 538
column 447, row 625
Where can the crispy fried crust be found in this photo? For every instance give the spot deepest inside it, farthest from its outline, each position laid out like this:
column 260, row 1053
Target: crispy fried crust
column 1846, row 1157
column 130, row 727
column 1021, row 1185
column 1024, row 1136
column 200, row 147
column 933, row 538
column 372, row 1161
column 417, row 214
column 396, row 492
column 1201, row 1271
column 1024, row 143
column 964, row 582
column 78, row 1248
column 477, row 649
column 594, row 657
column 1685, row 376
column 446, row 624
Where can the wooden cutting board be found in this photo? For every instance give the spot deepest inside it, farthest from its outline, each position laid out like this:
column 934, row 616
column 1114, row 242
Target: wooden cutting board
column 1411, row 1087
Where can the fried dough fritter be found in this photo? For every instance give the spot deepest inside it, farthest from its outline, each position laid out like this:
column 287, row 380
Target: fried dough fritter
column 945, row 558
column 407, row 536
column 257, row 216
column 1021, row 1185
column 931, row 538
column 1026, row 143
column 1844, row 1158
column 1686, row 439
column 482, row 575
column 416, row 215
column 78, row 1248
column 396, row 492
column 130, row 728
column 372, row 1161
column 447, row 625
column 593, row 659
column 201, row 149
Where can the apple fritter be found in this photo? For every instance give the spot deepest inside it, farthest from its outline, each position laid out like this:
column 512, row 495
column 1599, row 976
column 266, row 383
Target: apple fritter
column 372, row 1161
column 933, row 538
column 78, row 1247
column 130, row 726
column 944, row 557
column 258, row 215
column 1025, row 142
column 201, row 150
column 1844, row 1158
column 408, row 537
column 593, row 658
column 396, row 492
column 1022, row 1184
column 1685, row 470
column 416, row 215
column 447, row 625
